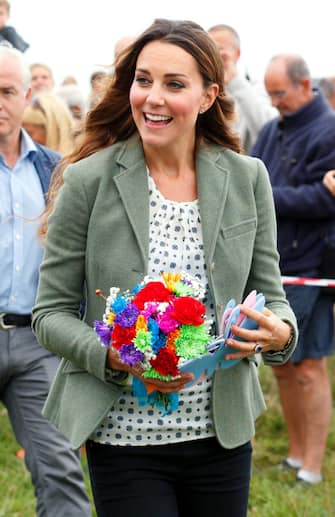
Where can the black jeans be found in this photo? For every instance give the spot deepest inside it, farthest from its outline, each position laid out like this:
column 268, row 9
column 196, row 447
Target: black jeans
column 188, row 479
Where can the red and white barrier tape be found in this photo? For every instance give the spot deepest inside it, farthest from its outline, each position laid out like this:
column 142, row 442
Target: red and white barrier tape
column 297, row 280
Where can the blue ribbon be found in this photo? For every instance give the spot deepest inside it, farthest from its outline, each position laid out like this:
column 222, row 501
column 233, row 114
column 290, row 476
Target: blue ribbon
column 166, row 402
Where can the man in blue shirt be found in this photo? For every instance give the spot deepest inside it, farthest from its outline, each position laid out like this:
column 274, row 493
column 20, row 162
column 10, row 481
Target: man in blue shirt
column 298, row 148
column 26, row 368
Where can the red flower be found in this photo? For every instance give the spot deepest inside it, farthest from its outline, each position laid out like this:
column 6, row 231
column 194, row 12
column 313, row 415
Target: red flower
column 122, row 335
column 152, row 292
column 188, row 311
column 165, row 362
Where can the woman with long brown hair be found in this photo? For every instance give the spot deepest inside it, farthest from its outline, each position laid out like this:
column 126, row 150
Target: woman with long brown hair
column 158, row 183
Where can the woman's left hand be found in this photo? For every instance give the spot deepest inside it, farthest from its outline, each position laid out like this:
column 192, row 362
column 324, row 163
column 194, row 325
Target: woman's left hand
column 272, row 334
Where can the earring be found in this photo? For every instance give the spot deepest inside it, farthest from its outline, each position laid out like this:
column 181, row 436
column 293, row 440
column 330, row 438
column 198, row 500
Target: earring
column 202, row 111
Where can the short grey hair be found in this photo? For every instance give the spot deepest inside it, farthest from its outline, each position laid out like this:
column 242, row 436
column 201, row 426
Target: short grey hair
column 296, row 67
column 327, row 86
column 25, row 72
column 228, row 28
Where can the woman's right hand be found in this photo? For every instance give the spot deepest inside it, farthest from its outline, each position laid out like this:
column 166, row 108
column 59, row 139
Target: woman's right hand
column 114, row 363
column 329, row 181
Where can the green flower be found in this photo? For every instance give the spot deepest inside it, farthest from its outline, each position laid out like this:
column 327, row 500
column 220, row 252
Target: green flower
column 182, row 289
column 152, row 374
column 193, row 341
column 142, row 340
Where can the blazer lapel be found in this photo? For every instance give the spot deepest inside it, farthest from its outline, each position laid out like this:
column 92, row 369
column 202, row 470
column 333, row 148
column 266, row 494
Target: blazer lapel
column 213, row 181
column 132, row 184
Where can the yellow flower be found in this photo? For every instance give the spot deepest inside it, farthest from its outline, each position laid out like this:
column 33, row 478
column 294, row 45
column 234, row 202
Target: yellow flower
column 141, row 324
column 170, row 280
column 111, row 318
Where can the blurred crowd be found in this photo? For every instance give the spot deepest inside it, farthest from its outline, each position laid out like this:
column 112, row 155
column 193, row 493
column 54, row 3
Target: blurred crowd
column 289, row 124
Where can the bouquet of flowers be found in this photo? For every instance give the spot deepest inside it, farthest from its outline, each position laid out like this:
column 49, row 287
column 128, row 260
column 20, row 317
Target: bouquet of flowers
column 161, row 327
column 157, row 326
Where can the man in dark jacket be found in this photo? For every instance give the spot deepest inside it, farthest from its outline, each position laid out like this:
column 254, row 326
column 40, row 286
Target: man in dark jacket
column 298, row 148
column 26, row 368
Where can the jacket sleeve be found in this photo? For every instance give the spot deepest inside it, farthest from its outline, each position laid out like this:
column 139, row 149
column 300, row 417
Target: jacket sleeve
column 265, row 273
column 56, row 315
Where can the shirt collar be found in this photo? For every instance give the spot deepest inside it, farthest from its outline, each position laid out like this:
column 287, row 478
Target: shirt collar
column 28, row 148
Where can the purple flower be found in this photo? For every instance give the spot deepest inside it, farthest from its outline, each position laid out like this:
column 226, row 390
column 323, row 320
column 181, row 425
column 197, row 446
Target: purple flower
column 186, row 281
column 103, row 331
column 128, row 316
column 130, row 355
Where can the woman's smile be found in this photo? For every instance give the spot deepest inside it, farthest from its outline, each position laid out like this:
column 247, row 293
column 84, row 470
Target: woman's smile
column 157, row 121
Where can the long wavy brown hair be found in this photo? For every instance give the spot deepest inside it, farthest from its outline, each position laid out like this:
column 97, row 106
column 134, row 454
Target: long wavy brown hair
column 111, row 120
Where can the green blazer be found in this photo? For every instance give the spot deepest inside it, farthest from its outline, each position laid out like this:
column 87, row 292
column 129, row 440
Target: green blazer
column 98, row 238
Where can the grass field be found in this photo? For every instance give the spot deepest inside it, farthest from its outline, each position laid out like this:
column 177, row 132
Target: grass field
column 272, row 493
